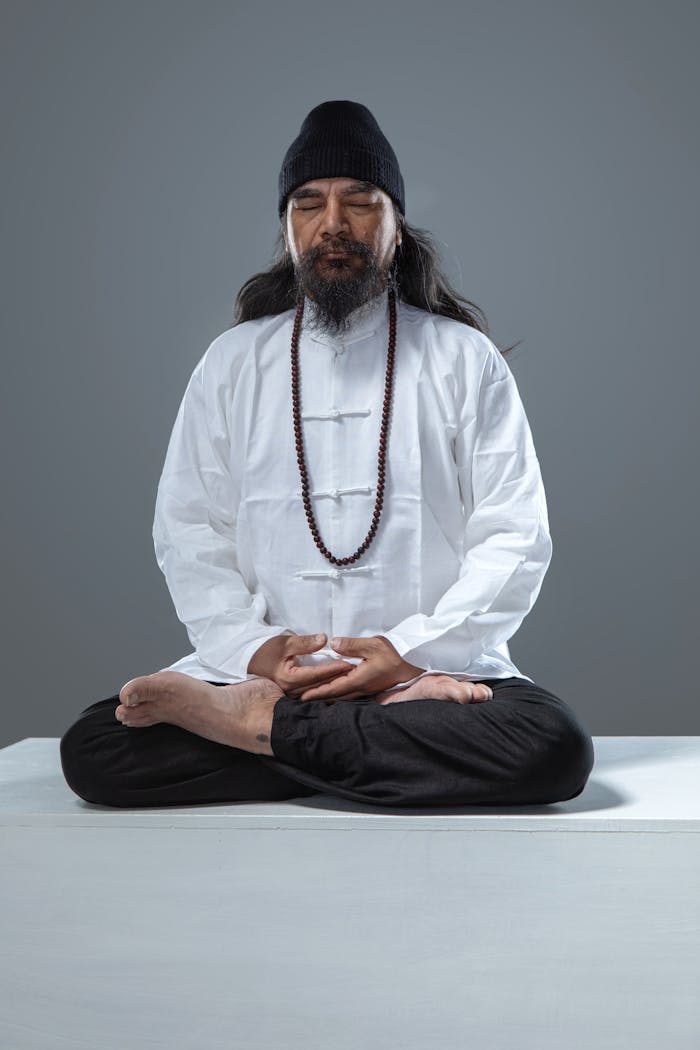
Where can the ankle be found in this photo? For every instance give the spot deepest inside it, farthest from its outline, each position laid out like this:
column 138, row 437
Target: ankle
column 259, row 727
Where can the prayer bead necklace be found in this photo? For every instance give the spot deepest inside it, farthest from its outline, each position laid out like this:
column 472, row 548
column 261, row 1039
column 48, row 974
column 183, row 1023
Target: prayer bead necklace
column 388, row 386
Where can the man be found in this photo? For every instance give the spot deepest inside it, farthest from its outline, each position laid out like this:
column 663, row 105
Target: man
column 351, row 521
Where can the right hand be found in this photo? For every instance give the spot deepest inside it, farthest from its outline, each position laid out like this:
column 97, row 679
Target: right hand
column 275, row 659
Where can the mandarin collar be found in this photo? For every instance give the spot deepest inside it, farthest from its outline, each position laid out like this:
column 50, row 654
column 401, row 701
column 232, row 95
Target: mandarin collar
column 376, row 317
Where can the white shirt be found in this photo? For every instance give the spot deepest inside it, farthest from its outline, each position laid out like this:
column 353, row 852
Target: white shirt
column 463, row 540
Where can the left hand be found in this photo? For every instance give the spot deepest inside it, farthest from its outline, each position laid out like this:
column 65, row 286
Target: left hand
column 380, row 669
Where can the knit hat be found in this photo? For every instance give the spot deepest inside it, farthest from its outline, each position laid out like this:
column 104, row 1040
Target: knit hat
column 341, row 138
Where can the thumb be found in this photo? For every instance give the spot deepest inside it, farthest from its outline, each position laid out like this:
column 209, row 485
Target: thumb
column 346, row 645
column 306, row 643
column 359, row 647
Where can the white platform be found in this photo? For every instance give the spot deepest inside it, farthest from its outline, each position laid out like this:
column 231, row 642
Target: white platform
column 327, row 925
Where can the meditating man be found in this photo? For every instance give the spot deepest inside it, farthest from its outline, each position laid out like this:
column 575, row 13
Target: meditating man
column 352, row 523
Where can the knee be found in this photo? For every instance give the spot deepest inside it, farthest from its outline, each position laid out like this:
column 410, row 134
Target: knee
column 563, row 758
column 75, row 762
column 80, row 766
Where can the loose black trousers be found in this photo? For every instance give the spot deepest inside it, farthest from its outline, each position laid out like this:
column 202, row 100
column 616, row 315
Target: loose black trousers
column 524, row 746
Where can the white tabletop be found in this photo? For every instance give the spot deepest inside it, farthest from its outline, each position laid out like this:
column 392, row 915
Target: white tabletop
column 638, row 783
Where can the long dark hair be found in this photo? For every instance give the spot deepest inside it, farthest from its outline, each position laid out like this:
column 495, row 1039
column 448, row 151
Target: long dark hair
column 418, row 279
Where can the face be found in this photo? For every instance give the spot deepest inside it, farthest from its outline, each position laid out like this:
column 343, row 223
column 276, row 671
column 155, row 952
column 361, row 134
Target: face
column 340, row 215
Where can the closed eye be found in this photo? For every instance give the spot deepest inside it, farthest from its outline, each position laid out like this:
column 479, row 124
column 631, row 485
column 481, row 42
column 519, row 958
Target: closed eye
column 313, row 207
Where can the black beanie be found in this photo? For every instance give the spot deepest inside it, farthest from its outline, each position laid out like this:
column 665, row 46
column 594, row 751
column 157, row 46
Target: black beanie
column 341, row 139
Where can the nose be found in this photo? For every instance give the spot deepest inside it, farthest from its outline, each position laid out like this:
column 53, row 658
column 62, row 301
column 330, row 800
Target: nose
column 333, row 218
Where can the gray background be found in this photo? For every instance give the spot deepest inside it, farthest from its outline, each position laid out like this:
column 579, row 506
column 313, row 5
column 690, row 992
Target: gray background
column 551, row 149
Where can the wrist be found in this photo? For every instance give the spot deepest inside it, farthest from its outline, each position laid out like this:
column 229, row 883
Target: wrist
column 410, row 671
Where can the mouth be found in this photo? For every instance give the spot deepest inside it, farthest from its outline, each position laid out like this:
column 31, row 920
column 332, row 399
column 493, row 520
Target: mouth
column 336, row 255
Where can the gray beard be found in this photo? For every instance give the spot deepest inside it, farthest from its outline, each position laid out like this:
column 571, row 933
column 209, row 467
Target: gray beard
column 341, row 292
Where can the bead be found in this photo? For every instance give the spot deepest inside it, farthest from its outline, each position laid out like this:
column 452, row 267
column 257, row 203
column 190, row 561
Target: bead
column 334, row 413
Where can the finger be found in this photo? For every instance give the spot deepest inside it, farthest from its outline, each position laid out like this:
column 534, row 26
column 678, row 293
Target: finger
column 322, row 693
column 339, row 687
column 306, row 677
column 305, row 643
column 355, row 646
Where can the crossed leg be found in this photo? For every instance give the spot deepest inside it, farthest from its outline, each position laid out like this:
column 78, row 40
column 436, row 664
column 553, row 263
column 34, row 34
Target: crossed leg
column 240, row 714
column 524, row 746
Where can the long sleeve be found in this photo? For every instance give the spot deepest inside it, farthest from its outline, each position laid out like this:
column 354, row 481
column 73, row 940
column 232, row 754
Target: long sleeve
column 507, row 546
column 194, row 529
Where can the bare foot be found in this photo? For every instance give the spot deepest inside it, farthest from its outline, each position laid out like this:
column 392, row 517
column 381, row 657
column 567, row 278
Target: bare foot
column 239, row 714
column 438, row 687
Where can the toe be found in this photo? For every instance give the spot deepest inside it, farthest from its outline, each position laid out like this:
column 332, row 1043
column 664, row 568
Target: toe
column 149, row 687
column 474, row 692
column 122, row 713
column 133, row 691
column 134, row 719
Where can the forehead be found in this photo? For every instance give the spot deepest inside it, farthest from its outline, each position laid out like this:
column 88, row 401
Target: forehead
column 336, row 184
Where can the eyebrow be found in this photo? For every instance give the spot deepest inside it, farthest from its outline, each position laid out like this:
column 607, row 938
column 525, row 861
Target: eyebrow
column 357, row 187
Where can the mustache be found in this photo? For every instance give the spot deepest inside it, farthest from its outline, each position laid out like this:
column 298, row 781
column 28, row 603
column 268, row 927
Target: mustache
column 353, row 247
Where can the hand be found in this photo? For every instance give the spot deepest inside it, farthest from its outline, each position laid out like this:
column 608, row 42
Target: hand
column 275, row 659
column 381, row 668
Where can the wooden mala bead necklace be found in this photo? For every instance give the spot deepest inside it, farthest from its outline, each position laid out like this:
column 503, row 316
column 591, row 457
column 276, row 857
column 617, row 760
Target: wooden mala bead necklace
column 388, row 387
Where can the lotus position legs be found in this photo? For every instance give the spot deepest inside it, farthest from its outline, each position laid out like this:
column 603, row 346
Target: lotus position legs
column 240, row 714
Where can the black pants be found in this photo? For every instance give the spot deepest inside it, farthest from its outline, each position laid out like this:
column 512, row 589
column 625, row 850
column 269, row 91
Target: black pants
column 524, row 746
